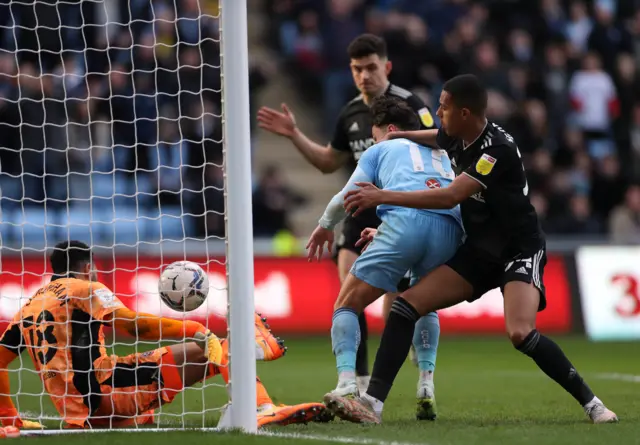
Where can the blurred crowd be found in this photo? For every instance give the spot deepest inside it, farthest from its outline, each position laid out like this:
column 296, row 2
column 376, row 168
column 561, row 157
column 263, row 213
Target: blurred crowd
column 112, row 109
column 563, row 79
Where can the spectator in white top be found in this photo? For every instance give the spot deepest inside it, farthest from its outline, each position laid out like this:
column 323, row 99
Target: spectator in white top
column 595, row 102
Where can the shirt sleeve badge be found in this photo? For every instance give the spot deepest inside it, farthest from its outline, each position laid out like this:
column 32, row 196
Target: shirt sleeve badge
column 485, row 164
column 425, row 117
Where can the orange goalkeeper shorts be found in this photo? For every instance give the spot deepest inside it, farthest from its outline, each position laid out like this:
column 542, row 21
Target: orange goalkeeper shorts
column 138, row 384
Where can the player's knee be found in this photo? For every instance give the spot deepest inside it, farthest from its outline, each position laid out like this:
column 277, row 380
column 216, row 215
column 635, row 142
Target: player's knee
column 519, row 334
column 351, row 300
column 356, row 295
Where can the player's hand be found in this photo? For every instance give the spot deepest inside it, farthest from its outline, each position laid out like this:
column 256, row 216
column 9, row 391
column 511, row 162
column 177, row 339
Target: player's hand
column 366, row 197
column 366, row 236
column 316, row 243
column 281, row 123
column 210, row 345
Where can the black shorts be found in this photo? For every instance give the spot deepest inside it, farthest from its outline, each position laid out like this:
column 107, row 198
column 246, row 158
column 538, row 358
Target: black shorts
column 351, row 230
column 486, row 274
column 353, row 227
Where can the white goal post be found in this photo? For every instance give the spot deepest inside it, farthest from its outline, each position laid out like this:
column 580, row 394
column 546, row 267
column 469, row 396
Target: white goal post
column 235, row 74
column 53, row 130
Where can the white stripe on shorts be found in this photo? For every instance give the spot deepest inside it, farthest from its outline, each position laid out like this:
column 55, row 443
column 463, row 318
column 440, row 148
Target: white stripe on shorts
column 536, row 268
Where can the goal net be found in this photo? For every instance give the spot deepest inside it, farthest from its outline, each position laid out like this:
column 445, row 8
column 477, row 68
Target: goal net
column 112, row 116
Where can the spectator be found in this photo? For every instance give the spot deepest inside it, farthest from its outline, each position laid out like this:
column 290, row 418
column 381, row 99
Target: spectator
column 166, row 162
column 624, row 222
column 560, row 77
column 578, row 221
column 634, row 136
column 595, row 101
column 578, row 29
column 608, row 38
column 488, row 66
column 610, row 186
column 208, row 208
column 555, row 80
column 342, row 25
column 273, row 202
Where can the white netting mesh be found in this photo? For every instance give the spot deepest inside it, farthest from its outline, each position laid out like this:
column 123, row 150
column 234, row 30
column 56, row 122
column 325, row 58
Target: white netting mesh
column 110, row 133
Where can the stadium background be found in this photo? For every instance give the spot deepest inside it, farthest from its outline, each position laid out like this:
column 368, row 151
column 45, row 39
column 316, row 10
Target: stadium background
column 113, row 113
column 96, row 119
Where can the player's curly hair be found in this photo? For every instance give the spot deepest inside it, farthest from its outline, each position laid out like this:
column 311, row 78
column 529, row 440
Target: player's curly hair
column 69, row 257
column 389, row 110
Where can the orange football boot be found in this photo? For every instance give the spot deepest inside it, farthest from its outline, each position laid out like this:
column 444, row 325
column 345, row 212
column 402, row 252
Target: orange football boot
column 289, row 414
column 269, row 347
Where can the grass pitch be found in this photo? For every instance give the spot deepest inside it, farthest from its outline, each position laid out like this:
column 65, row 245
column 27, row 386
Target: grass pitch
column 487, row 393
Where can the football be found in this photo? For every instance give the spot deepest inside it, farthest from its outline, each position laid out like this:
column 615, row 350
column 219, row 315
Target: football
column 183, row 286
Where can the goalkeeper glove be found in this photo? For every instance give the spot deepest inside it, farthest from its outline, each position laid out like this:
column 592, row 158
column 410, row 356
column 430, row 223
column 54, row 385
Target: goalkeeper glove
column 31, row 425
column 10, row 417
column 210, row 345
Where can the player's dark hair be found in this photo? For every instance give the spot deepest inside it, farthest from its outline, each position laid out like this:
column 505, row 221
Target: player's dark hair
column 467, row 91
column 365, row 45
column 69, row 257
column 388, row 110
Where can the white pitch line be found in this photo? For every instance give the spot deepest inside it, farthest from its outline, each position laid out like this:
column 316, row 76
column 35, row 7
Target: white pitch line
column 296, row 436
column 336, row 439
column 614, row 376
column 631, row 378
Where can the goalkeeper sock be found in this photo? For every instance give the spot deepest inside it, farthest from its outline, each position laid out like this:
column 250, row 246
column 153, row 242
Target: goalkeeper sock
column 345, row 338
column 425, row 342
column 172, row 383
column 262, row 400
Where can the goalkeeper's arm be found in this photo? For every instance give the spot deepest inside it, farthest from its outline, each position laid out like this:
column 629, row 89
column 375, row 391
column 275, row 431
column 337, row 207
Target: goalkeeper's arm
column 149, row 327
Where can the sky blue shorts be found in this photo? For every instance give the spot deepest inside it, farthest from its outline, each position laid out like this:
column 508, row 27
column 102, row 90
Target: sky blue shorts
column 407, row 240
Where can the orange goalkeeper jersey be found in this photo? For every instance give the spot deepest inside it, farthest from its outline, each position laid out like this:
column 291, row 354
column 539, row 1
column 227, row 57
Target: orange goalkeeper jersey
column 61, row 327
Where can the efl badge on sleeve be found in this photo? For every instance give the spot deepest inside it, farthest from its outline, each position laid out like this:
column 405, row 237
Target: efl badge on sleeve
column 485, row 164
column 425, row 117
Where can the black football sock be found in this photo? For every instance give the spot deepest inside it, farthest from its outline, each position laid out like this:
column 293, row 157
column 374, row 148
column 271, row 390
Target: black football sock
column 552, row 361
column 394, row 348
column 362, row 356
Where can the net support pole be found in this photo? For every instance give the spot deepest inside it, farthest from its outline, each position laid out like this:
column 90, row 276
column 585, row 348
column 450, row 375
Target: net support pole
column 237, row 143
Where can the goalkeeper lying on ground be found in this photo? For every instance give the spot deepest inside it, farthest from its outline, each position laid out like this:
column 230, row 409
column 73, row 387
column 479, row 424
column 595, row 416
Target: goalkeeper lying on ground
column 62, row 328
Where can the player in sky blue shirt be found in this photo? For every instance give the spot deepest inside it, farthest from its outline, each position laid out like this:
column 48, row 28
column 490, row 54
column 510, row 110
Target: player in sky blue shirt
column 402, row 165
column 408, row 239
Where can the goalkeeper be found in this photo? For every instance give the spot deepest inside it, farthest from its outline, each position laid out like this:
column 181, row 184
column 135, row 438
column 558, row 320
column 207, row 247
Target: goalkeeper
column 62, row 328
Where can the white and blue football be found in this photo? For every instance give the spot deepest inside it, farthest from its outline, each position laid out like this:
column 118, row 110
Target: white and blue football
column 183, row 286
